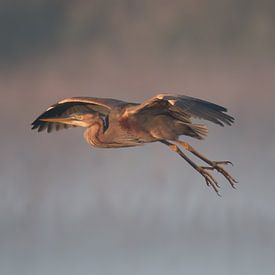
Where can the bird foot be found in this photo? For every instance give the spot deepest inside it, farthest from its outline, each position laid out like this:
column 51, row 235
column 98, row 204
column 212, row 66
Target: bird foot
column 209, row 179
column 216, row 165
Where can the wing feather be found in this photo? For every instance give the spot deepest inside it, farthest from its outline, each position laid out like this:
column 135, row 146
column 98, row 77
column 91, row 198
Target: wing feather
column 183, row 108
column 72, row 105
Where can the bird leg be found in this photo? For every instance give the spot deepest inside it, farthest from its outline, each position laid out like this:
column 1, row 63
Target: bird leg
column 213, row 165
column 209, row 179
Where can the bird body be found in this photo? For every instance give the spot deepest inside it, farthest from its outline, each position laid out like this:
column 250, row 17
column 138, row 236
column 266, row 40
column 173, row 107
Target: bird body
column 112, row 123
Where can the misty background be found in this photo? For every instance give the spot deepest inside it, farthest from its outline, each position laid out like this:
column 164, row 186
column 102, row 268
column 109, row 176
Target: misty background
column 67, row 208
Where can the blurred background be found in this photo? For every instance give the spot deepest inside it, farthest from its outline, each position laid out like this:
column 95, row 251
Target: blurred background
column 67, row 208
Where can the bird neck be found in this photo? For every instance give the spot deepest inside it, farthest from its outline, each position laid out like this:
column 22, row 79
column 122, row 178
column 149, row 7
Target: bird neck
column 94, row 133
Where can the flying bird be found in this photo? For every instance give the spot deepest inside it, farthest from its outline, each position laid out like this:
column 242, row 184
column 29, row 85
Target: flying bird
column 112, row 123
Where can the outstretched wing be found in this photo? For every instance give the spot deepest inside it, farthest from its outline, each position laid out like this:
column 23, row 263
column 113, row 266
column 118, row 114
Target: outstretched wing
column 183, row 108
column 72, row 105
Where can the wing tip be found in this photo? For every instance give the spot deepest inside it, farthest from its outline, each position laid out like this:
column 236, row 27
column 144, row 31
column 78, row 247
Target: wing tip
column 39, row 125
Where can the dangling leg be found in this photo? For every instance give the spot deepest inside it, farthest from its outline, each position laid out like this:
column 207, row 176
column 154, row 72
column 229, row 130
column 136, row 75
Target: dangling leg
column 210, row 181
column 214, row 165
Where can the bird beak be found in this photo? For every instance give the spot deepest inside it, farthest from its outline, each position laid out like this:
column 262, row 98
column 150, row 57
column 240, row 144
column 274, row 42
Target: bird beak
column 66, row 120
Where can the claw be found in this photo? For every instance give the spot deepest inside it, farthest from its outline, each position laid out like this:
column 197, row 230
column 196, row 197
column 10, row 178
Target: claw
column 215, row 165
column 225, row 162
column 209, row 179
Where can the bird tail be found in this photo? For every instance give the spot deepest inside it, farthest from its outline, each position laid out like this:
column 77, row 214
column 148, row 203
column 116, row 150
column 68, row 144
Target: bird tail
column 198, row 131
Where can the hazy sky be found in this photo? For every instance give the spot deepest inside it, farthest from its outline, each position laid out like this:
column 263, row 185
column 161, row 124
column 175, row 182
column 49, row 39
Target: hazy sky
column 67, row 208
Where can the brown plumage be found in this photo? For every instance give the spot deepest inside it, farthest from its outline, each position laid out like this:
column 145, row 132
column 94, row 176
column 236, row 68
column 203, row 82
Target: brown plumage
column 112, row 123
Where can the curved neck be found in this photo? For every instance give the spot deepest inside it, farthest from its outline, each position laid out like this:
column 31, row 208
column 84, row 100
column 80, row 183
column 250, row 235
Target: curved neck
column 94, row 133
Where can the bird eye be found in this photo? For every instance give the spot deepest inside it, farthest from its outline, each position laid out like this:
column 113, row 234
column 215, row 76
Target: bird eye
column 79, row 117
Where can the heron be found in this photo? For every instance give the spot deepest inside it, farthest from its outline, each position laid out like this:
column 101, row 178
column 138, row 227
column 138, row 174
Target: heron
column 164, row 118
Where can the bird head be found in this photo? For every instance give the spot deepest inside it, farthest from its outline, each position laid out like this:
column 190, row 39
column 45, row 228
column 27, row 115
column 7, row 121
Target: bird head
column 75, row 119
